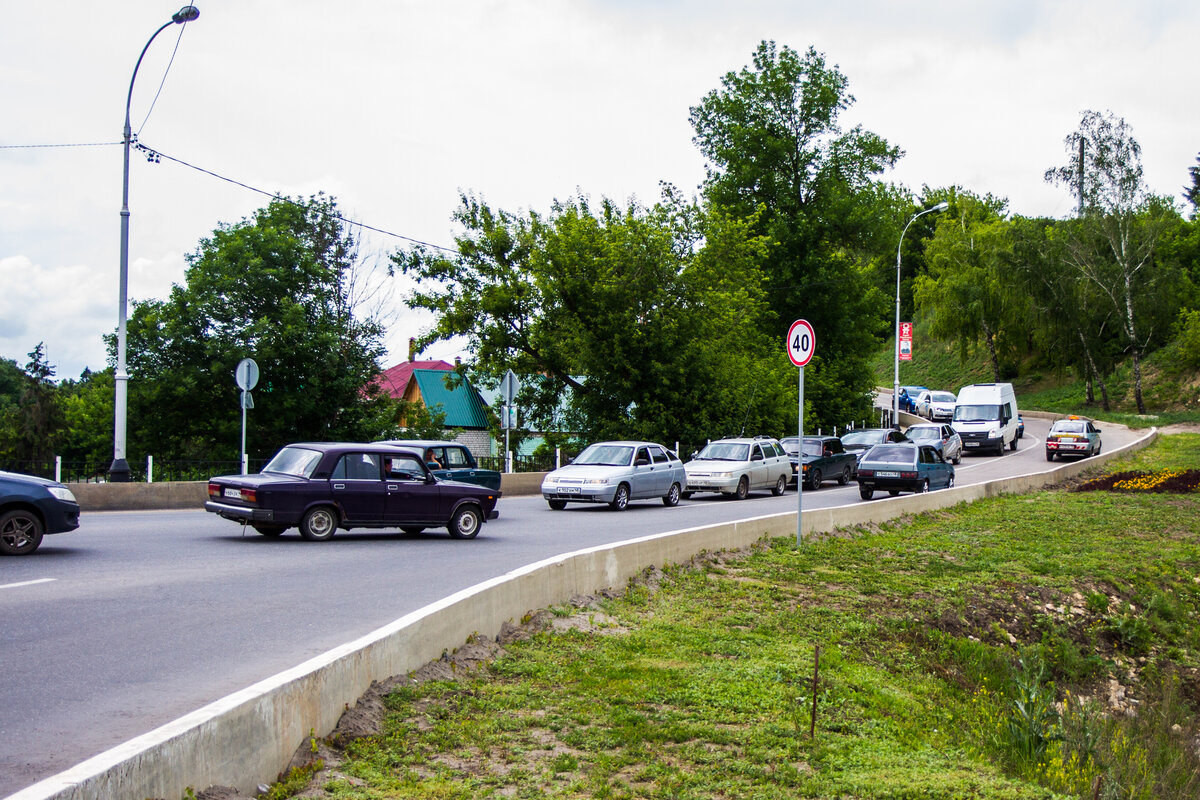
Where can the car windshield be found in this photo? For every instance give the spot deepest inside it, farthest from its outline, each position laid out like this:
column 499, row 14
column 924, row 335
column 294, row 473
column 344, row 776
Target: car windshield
column 813, row 447
column 725, row 451
column 892, row 454
column 976, row 413
column 606, row 455
column 298, row 461
column 922, row 434
column 791, row 445
column 863, row 437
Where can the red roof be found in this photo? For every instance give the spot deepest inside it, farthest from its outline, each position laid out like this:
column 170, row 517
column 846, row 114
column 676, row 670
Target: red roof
column 394, row 380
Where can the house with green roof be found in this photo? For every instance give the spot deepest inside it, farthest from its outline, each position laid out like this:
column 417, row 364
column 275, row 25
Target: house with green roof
column 446, row 391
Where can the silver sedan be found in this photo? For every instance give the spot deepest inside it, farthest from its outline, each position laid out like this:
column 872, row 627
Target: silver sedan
column 942, row 437
column 616, row 473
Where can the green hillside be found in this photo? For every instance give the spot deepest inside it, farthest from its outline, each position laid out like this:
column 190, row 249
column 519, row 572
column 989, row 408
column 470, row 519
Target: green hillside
column 1172, row 392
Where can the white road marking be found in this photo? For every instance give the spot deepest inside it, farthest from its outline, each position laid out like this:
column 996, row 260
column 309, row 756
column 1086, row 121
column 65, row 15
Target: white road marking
column 26, row 583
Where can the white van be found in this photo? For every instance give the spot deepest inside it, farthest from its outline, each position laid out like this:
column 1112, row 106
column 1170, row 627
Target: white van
column 986, row 417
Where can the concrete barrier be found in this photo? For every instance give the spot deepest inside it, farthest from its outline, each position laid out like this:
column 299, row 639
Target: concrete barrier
column 192, row 494
column 248, row 737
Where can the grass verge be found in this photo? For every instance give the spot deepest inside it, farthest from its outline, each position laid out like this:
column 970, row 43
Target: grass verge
column 1028, row 646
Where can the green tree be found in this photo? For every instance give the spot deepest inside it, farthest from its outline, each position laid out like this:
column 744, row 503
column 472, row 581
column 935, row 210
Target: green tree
column 33, row 425
column 1192, row 193
column 623, row 321
column 88, row 405
column 964, row 293
column 1113, row 242
column 777, row 153
column 282, row 288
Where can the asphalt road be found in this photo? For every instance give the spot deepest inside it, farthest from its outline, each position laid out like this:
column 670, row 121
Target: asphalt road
column 138, row 618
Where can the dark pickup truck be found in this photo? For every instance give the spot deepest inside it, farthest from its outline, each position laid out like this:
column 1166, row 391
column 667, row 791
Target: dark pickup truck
column 823, row 459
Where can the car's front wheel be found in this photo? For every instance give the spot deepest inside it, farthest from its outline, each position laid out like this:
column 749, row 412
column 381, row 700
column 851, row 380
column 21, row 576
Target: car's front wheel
column 620, row 499
column 671, row 498
column 20, row 533
column 780, row 486
column 466, row 523
column 270, row 531
column 814, row 479
column 319, row 524
column 865, row 492
column 557, row 505
column 743, row 488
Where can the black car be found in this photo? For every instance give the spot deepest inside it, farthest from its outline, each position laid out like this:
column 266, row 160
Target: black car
column 31, row 507
column 863, row 439
column 824, row 458
column 451, row 461
column 323, row 486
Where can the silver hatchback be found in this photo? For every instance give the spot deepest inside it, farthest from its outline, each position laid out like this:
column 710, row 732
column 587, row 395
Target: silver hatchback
column 616, row 473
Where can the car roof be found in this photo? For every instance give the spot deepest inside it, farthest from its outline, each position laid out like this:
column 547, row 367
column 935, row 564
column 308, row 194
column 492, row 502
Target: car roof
column 419, row 442
column 629, row 443
column 362, row 447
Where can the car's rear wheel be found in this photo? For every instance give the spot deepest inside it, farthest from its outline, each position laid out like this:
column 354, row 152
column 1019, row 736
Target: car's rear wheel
column 924, row 486
column 1049, row 456
column 557, row 505
column 865, row 493
column 270, row 530
column 950, row 482
column 671, row 498
column 743, row 488
column 20, row 532
column 620, row 499
column 685, row 495
column 319, row 524
column 814, row 479
column 844, row 478
column 893, row 492
column 957, row 458
column 780, row 486
column 465, row 523
column 1013, row 444
column 412, row 530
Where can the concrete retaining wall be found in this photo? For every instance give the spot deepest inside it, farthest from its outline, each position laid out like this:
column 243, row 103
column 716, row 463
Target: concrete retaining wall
column 249, row 737
column 192, row 494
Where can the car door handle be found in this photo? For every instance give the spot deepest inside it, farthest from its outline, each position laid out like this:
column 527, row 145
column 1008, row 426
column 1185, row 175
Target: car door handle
column 392, row 487
column 339, row 486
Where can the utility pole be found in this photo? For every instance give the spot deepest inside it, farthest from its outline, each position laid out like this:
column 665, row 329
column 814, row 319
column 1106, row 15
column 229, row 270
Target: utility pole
column 1082, row 142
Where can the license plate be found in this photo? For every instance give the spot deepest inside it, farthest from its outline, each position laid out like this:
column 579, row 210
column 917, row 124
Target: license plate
column 887, row 474
column 569, row 490
column 234, row 493
column 972, row 444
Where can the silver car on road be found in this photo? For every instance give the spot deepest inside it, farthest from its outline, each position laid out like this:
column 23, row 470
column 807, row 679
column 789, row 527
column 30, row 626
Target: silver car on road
column 739, row 466
column 616, row 473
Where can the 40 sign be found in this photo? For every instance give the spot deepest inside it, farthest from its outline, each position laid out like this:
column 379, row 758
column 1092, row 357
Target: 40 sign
column 801, row 341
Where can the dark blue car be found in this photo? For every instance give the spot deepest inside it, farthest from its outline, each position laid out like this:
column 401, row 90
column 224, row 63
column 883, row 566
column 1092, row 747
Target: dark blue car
column 320, row 487
column 903, row 467
column 31, row 507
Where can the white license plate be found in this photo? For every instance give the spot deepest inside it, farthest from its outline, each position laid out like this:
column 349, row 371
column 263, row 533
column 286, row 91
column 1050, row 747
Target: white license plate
column 234, row 493
column 569, row 490
column 887, row 474
column 972, row 444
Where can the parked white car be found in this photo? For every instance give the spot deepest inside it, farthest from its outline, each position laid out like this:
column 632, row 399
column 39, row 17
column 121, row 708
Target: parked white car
column 737, row 467
column 935, row 406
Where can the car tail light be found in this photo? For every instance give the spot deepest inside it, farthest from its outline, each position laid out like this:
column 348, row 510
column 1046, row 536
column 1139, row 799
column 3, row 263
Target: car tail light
column 908, row 474
column 867, row 473
column 214, row 490
column 249, row 495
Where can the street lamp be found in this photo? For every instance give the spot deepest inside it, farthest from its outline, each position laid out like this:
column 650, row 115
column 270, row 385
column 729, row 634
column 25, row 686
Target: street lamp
column 942, row 206
column 119, row 470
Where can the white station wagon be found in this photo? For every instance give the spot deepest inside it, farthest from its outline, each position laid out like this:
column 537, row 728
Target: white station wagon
column 739, row 466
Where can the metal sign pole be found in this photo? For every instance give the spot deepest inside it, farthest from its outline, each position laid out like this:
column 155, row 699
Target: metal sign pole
column 800, row 470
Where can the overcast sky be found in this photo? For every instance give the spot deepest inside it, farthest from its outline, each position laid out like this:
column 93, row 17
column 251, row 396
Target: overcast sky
column 394, row 107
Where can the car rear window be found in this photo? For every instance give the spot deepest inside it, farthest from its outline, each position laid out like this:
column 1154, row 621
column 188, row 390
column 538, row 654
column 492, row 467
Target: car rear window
column 892, row 454
column 299, row 461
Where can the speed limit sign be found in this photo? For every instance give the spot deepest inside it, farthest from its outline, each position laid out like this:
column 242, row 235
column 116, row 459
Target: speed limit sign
column 801, row 341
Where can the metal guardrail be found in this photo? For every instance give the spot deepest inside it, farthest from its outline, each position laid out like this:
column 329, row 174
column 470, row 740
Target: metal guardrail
column 149, row 470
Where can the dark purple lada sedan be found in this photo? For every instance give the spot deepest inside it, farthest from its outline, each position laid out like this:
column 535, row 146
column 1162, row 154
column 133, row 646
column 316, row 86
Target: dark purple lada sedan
column 322, row 486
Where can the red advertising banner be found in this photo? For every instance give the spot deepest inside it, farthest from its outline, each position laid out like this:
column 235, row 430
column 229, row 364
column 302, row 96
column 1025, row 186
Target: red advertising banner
column 906, row 341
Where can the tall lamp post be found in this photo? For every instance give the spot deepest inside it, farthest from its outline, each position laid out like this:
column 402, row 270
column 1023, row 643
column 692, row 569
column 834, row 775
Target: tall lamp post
column 942, row 206
column 119, row 470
